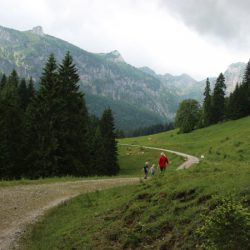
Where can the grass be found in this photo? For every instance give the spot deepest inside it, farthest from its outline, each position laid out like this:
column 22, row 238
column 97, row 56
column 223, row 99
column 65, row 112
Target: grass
column 131, row 161
column 71, row 225
column 164, row 212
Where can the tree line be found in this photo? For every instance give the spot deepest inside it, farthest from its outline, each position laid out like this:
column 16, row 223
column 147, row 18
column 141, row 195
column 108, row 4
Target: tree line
column 216, row 106
column 149, row 130
column 49, row 132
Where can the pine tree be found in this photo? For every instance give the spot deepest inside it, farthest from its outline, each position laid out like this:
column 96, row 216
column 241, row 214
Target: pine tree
column 11, row 130
column 110, row 163
column 245, row 95
column 23, row 94
column 43, row 118
column 3, row 81
column 237, row 103
column 207, row 105
column 98, row 154
column 218, row 100
column 93, row 125
column 30, row 90
column 13, row 79
column 73, row 134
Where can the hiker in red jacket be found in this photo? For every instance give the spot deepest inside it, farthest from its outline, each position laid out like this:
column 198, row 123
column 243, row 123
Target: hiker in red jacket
column 163, row 162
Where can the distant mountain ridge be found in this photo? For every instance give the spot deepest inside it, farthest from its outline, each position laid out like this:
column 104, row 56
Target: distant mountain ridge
column 138, row 96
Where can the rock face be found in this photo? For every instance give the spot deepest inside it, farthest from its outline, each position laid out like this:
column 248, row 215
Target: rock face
column 234, row 74
column 38, row 30
column 113, row 56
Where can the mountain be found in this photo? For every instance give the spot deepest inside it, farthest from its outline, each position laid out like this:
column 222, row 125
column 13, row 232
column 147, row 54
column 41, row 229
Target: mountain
column 183, row 86
column 106, row 78
column 138, row 96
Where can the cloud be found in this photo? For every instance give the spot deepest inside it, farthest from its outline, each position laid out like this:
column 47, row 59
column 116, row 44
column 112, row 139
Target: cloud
column 226, row 20
column 143, row 31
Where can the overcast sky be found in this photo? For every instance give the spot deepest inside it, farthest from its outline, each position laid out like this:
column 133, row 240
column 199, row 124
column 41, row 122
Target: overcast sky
column 197, row 37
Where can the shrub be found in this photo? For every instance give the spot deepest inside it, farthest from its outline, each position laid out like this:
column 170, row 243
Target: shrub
column 226, row 227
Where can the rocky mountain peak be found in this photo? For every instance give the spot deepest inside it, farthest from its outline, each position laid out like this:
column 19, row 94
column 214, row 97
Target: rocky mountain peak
column 38, row 30
column 115, row 56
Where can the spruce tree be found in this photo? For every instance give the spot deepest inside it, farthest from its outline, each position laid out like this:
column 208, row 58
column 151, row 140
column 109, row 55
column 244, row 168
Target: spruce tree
column 92, row 134
column 245, row 94
column 30, row 91
column 98, row 166
column 237, row 102
column 11, row 130
column 73, row 131
column 43, row 117
column 110, row 163
column 218, row 100
column 13, row 79
column 207, row 105
column 23, row 94
column 3, row 81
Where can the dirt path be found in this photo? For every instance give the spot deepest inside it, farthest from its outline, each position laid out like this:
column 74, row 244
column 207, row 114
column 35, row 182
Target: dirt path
column 189, row 159
column 23, row 204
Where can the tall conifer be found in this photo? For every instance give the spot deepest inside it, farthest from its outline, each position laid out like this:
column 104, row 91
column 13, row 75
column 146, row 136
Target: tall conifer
column 73, row 132
column 108, row 133
column 218, row 100
column 207, row 105
column 11, row 130
column 245, row 95
column 43, row 118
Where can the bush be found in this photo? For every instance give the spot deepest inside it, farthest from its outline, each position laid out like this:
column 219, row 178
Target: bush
column 226, row 227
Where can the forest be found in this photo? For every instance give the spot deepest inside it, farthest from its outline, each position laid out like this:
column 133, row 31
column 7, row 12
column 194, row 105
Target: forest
column 48, row 131
column 217, row 106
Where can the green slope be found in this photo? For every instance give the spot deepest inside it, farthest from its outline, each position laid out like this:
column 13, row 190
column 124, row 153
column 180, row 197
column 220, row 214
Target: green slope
column 166, row 211
column 126, row 115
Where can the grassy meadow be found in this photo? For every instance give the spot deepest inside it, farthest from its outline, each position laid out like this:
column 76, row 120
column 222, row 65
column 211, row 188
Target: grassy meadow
column 165, row 212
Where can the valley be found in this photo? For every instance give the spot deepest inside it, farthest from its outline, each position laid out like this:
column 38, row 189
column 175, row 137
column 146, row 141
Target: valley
column 167, row 210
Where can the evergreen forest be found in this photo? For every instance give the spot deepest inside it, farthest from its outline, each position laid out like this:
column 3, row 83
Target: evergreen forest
column 217, row 106
column 48, row 131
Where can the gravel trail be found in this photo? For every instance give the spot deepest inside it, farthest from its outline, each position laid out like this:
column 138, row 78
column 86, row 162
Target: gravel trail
column 23, row 204
column 189, row 159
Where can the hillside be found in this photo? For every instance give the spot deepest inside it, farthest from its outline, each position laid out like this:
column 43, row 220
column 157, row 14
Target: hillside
column 101, row 75
column 166, row 211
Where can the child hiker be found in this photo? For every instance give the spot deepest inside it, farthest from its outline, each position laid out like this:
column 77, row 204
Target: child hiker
column 152, row 170
column 145, row 169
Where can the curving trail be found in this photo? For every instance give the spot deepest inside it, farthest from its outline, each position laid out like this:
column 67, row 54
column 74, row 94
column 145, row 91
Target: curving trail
column 189, row 159
column 23, row 204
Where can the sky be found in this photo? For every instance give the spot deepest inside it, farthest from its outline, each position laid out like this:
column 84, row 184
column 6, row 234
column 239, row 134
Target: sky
column 197, row 37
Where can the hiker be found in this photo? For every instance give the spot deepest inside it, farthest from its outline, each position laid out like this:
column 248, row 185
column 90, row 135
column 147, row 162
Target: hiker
column 152, row 170
column 145, row 168
column 163, row 162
